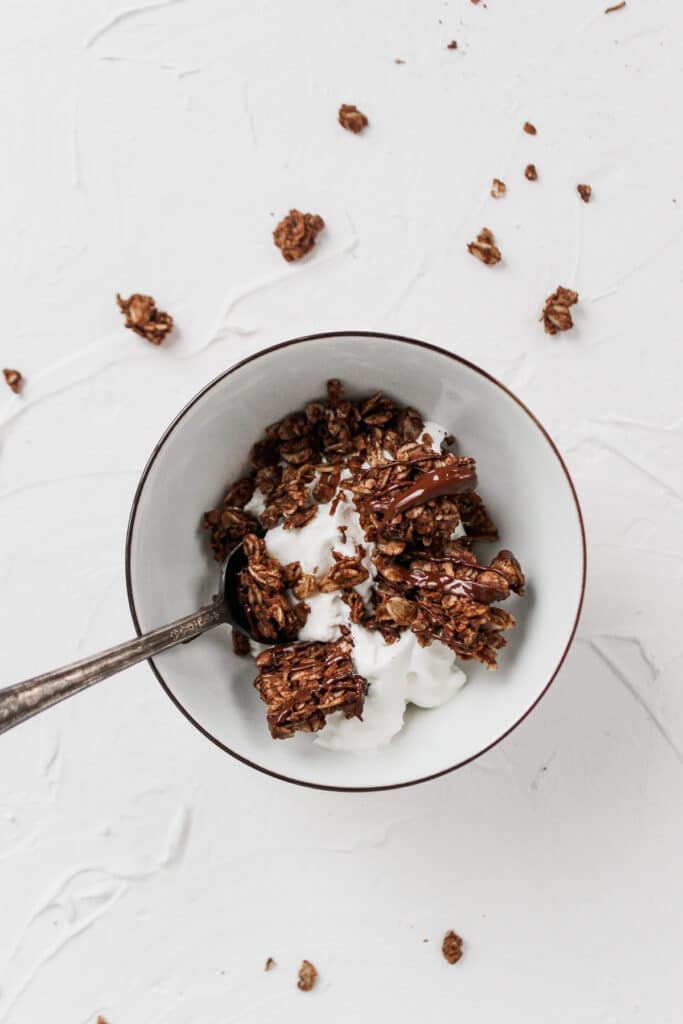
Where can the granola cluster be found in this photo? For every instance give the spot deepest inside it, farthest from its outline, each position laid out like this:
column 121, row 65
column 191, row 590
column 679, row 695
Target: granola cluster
column 451, row 600
column 451, row 947
column 143, row 317
column 351, row 118
column 555, row 315
column 303, row 683
column 262, row 591
column 485, row 248
column 426, row 527
column 14, row 380
column 308, row 976
column 419, row 513
column 296, row 234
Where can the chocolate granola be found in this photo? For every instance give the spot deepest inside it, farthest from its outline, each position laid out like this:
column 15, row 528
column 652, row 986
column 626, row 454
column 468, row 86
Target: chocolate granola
column 451, row 947
column 302, row 683
column 308, row 976
column 420, row 514
column 14, row 380
column 451, row 599
column 296, row 233
column 240, row 643
column 485, row 248
column 262, row 590
column 351, row 118
column 143, row 317
column 555, row 314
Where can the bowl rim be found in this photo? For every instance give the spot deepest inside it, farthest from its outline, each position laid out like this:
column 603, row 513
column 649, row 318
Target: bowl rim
column 381, row 336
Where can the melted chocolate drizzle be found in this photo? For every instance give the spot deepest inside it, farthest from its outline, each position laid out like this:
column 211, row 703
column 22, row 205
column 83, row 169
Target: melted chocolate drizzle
column 474, row 590
column 324, row 687
column 453, row 478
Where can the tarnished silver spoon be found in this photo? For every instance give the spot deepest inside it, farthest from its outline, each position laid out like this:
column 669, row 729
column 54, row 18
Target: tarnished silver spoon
column 23, row 700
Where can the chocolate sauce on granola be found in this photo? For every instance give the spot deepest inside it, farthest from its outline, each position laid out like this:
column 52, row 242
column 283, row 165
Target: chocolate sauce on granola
column 509, row 557
column 323, row 687
column 453, row 478
column 474, row 590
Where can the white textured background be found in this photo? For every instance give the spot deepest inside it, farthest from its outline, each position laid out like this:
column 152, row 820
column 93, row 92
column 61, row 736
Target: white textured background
column 143, row 873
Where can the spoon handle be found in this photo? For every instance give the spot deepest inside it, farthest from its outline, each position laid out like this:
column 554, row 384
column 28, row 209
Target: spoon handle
column 23, row 700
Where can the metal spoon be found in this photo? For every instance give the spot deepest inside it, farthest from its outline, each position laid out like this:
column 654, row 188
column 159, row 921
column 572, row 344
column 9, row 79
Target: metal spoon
column 23, row 700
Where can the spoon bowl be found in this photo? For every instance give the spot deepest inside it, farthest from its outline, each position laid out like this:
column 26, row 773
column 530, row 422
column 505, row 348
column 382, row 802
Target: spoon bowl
column 228, row 589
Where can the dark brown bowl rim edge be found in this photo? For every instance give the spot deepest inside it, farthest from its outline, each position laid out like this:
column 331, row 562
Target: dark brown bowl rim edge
column 378, row 335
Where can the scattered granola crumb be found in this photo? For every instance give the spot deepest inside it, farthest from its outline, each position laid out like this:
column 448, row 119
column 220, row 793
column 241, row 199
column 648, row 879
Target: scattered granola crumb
column 615, row 7
column 530, row 172
column 296, row 233
column 453, row 45
column 240, row 642
column 485, row 248
column 270, row 963
column 529, row 128
column 451, row 947
column 143, row 317
column 585, row 191
column 399, row 61
column 307, row 976
column 497, row 188
column 14, row 380
column 351, row 118
column 555, row 315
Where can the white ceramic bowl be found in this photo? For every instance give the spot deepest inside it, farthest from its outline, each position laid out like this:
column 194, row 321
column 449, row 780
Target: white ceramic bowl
column 522, row 478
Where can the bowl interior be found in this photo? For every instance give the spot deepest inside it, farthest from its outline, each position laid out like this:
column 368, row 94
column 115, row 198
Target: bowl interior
column 170, row 571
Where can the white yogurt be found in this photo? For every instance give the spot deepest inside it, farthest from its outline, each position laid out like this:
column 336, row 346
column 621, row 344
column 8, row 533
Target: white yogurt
column 312, row 544
column 397, row 674
column 328, row 612
column 256, row 504
column 437, row 434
